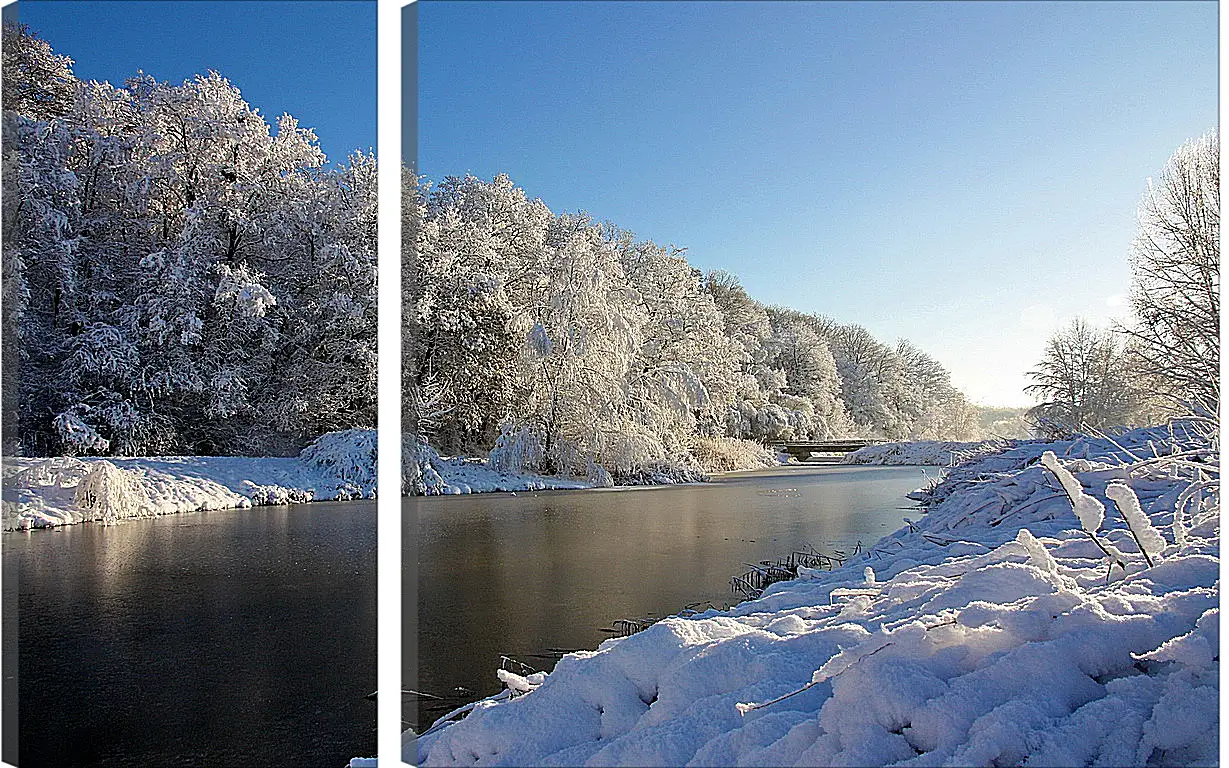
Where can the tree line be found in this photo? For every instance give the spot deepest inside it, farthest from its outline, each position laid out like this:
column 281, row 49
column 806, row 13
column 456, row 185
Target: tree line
column 568, row 345
column 179, row 275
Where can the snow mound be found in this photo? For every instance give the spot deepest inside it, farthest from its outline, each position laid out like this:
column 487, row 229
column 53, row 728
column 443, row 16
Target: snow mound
column 348, row 457
column 925, row 452
column 994, row 631
column 110, row 492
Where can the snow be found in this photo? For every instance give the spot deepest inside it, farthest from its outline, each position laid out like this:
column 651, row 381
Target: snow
column 40, row 493
column 924, row 452
column 989, row 632
column 1149, row 539
column 518, row 449
column 1090, row 511
column 460, row 475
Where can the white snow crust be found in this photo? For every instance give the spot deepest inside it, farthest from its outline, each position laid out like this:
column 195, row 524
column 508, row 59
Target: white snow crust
column 991, row 633
column 41, row 493
column 936, row 453
column 449, row 475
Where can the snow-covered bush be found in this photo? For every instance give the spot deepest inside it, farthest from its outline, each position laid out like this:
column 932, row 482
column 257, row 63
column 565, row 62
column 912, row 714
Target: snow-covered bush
column 58, row 472
column 727, row 454
column 276, row 495
column 597, row 476
column 518, row 449
column 348, row 457
column 629, row 454
column 420, row 474
column 110, row 492
column 77, row 436
column 628, row 450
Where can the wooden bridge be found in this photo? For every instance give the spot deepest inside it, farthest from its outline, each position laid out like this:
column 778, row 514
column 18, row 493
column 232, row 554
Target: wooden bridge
column 807, row 451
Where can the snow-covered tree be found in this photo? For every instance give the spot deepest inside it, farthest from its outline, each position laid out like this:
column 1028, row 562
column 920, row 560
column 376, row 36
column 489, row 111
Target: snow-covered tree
column 583, row 330
column 1083, row 382
column 477, row 247
column 745, row 321
column 936, row 410
column 873, row 384
column 1175, row 292
column 180, row 275
column 38, row 83
column 799, row 350
column 686, row 369
column 561, row 345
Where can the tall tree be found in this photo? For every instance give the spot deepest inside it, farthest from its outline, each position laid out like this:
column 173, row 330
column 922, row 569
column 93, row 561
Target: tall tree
column 801, row 352
column 1175, row 263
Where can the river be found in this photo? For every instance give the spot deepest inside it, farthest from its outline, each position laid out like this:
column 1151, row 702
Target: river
column 241, row 637
column 529, row 575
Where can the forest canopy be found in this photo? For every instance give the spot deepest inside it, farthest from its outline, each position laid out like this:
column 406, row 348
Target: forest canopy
column 180, row 274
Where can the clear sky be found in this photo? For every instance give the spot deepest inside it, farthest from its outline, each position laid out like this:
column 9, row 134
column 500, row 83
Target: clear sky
column 963, row 175
column 315, row 60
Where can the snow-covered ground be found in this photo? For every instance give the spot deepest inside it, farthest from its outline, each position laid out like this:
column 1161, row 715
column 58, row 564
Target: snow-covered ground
column 925, row 452
column 995, row 630
column 460, row 474
column 444, row 475
column 62, row 490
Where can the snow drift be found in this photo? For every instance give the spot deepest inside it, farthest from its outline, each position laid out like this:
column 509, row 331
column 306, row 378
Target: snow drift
column 41, row 493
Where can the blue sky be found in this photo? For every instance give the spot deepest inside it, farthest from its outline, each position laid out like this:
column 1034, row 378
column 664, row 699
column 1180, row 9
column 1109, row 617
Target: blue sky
column 315, row 60
column 964, row 175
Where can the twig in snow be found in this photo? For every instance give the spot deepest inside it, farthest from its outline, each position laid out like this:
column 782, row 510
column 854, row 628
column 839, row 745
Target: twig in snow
column 744, row 708
column 408, row 692
column 463, row 710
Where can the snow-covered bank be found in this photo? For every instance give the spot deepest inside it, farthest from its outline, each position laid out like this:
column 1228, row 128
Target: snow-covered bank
column 433, row 475
column 62, row 490
column 442, row 476
column 925, row 452
column 992, row 631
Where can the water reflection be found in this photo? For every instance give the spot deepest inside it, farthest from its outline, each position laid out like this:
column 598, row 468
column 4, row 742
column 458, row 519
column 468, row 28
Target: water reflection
column 244, row 637
column 519, row 575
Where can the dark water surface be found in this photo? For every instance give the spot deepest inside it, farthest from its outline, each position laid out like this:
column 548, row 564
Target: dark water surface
column 518, row 576
column 229, row 638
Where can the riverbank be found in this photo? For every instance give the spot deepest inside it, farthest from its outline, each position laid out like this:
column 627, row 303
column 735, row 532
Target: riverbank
column 994, row 629
column 932, row 453
column 47, row 492
column 457, row 475
column 44, row 492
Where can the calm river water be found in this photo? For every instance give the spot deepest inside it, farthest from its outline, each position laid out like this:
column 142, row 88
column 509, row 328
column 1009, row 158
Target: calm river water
column 230, row 638
column 527, row 574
